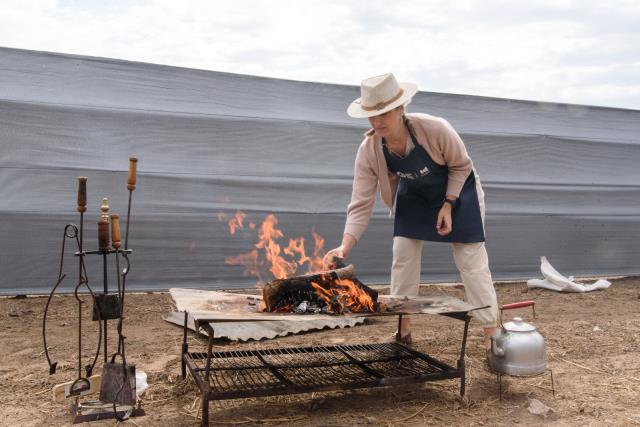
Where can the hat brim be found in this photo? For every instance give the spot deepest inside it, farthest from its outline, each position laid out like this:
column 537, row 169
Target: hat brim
column 355, row 108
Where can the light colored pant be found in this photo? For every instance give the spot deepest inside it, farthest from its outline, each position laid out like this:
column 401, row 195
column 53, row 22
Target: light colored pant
column 471, row 260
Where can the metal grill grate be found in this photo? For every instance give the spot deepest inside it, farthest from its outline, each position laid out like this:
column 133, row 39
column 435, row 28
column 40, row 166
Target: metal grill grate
column 270, row 372
column 240, row 374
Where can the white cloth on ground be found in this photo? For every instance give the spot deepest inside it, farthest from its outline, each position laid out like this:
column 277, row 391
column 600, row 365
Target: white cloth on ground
column 557, row 282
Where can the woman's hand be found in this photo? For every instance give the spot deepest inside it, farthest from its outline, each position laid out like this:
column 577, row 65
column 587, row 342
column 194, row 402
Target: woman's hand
column 330, row 260
column 444, row 224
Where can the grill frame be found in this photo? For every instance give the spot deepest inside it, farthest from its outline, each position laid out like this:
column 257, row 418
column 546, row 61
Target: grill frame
column 237, row 374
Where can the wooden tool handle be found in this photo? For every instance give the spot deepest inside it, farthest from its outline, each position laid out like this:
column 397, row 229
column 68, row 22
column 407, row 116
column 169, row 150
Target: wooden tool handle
column 131, row 179
column 103, row 235
column 115, row 231
column 82, row 194
column 62, row 391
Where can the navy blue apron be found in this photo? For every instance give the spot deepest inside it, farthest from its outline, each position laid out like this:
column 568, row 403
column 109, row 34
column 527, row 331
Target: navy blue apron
column 421, row 191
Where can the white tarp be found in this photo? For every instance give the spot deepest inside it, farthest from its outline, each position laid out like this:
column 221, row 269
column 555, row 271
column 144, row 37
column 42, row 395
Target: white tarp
column 559, row 179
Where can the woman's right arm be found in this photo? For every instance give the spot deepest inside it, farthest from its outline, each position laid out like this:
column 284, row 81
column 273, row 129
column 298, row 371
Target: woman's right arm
column 363, row 194
column 363, row 198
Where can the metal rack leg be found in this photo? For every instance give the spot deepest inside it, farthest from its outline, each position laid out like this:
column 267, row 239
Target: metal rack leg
column 185, row 347
column 461, row 362
column 399, row 332
column 205, row 408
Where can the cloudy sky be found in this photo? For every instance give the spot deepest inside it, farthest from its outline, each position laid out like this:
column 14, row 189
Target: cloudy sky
column 582, row 51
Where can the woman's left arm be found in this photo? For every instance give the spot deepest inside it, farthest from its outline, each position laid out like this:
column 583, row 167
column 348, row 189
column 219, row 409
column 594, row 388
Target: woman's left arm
column 460, row 166
column 455, row 156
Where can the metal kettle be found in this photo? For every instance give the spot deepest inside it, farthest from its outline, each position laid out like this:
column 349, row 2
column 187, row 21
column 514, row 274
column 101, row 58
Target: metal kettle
column 518, row 349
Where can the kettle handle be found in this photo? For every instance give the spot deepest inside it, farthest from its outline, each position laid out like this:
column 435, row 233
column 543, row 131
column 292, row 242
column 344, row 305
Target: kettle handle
column 519, row 304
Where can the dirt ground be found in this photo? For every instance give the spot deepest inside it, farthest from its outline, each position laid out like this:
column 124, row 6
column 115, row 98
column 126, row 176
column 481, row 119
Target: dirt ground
column 593, row 348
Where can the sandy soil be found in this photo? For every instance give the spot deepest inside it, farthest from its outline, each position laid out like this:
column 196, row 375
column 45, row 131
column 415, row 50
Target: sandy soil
column 593, row 348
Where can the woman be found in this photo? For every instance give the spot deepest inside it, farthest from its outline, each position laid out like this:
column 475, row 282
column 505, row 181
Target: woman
column 426, row 176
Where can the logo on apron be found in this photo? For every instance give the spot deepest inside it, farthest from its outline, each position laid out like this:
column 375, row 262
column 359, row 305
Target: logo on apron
column 422, row 172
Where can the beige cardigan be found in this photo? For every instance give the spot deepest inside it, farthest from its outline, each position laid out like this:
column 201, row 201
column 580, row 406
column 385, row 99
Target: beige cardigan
column 440, row 141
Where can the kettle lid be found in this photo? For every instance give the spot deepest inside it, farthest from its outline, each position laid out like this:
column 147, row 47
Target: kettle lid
column 518, row 325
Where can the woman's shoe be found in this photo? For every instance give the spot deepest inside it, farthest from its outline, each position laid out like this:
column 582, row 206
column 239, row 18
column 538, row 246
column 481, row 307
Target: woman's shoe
column 403, row 339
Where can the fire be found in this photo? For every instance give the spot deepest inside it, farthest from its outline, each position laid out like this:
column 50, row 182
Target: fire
column 236, row 222
column 269, row 255
column 318, row 252
column 250, row 262
column 346, row 295
column 296, row 246
column 267, row 235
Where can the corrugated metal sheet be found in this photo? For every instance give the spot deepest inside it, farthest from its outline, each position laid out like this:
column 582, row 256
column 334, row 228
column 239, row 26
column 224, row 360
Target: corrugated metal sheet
column 226, row 305
column 245, row 331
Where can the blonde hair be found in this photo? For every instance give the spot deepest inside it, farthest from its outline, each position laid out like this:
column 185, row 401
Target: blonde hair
column 405, row 120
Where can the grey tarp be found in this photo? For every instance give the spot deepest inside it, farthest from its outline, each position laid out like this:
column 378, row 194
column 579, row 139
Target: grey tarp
column 560, row 180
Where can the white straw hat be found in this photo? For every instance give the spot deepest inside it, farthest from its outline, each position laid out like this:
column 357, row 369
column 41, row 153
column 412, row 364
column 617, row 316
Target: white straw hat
column 380, row 94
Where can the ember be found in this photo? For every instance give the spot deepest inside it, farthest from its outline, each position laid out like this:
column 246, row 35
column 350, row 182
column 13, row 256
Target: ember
column 329, row 292
column 346, row 296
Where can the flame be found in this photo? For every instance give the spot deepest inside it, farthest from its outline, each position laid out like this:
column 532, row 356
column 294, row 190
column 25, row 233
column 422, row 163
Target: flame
column 267, row 236
column 345, row 295
column 268, row 255
column 236, row 222
column 250, row 262
column 296, row 246
column 316, row 263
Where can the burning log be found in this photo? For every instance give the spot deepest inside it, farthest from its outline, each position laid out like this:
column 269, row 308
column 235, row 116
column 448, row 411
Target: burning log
column 333, row 292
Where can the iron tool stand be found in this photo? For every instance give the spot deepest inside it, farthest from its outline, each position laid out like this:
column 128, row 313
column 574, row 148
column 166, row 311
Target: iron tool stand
column 106, row 306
